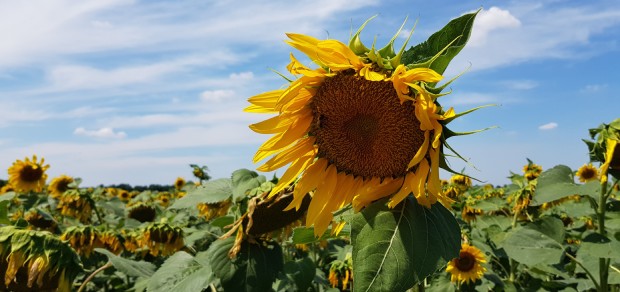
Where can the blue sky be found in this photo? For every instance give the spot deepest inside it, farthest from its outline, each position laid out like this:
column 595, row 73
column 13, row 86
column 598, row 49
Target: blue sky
column 119, row 91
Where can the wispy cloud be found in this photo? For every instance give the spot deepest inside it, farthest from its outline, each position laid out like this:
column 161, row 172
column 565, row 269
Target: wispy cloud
column 100, row 133
column 520, row 84
column 591, row 88
column 548, row 126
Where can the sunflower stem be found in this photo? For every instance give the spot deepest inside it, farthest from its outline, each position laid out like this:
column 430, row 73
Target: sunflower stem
column 596, row 285
column 91, row 276
column 602, row 262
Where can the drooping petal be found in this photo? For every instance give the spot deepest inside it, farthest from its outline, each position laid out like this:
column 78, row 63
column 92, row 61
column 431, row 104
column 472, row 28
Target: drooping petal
column 292, row 173
column 302, row 148
column 308, row 182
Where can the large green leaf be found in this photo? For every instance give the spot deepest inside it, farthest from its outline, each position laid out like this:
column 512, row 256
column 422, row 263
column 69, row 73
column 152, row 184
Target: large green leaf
column 301, row 272
column 254, row 269
column 531, row 247
column 491, row 204
column 305, row 235
column 455, row 35
column 244, row 180
column 129, row 267
column 210, row 192
column 180, row 272
column 395, row 248
column 551, row 227
column 558, row 182
column 598, row 246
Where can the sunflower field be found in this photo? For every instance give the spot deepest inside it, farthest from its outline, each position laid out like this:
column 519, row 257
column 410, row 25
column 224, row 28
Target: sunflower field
column 360, row 207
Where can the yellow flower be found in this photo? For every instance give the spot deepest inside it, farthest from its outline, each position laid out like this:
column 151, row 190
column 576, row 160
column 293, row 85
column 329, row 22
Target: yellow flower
column 468, row 266
column 83, row 239
column 469, row 214
column 161, row 239
column 76, row 205
column 59, row 185
column 141, row 212
column 6, row 188
column 354, row 129
column 531, row 171
column 124, row 195
column 179, row 183
column 28, row 175
column 461, row 180
column 587, row 173
column 214, row 210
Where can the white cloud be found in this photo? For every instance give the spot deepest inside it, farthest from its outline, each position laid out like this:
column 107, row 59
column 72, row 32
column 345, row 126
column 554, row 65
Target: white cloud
column 591, row 88
column 544, row 32
column 489, row 20
column 216, row 95
column 101, row 133
column 548, row 126
column 520, row 84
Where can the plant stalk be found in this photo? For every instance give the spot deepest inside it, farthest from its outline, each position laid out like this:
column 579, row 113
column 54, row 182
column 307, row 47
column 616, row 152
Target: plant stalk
column 602, row 262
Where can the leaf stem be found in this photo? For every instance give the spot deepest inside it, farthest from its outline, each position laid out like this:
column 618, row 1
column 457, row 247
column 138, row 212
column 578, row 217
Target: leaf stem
column 91, row 276
column 584, row 268
column 602, row 262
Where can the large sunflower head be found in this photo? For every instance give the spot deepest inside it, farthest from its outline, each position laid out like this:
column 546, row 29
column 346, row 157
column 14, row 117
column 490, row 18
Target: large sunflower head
column 162, row 239
column 359, row 127
column 77, row 205
column 59, row 185
column 28, row 175
column 605, row 149
column 468, row 266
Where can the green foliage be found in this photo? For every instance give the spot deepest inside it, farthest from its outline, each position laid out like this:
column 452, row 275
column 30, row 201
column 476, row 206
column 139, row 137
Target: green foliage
column 253, row 269
column 182, row 272
column 447, row 42
column 127, row 266
column 393, row 249
column 214, row 191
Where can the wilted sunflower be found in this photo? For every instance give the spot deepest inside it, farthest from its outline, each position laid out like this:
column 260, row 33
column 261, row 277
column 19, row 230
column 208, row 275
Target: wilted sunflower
column 59, row 185
column 468, row 266
column 38, row 219
column 461, row 180
column 28, row 175
column 142, row 212
column 531, row 170
column 36, row 261
column 6, row 188
column 341, row 273
column 469, row 213
column 111, row 241
column 77, row 205
column 214, row 210
column 360, row 127
column 587, row 173
column 83, row 239
column 161, row 239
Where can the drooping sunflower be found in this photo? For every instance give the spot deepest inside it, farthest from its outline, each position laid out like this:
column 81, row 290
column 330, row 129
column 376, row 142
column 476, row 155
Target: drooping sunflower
column 531, row 171
column 77, row 205
column 213, row 210
column 59, row 185
column 28, row 175
column 360, row 127
column 83, row 239
column 469, row 213
column 36, row 261
column 142, row 212
column 161, row 239
column 468, row 266
column 587, row 173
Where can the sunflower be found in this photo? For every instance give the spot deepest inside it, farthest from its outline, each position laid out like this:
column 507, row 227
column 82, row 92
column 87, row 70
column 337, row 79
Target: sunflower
column 38, row 219
column 213, row 210
column 468, row 266
column 531, row 171
column 142, row 212
column 469, row 213
column 360, row 127
column 59, row 185
column 111, row 241
column 612, row 158
column 341, row 273
column 461, row 180
column 161, row 239
column 28, row 175
column 124, row 195
column 587, row 173
column 179, row 183
column 76, row 205
column 36, row 261
column 83, row 239
column 6, row 188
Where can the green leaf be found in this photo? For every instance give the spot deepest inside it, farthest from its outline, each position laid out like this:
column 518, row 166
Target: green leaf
column 598, row 246
column 554, row 184
column 490, row 204
column 301, row 272
column 531, row 247
column 395, row 248
column 244, row 180
column 180, row 272
column 551, row 227
column 254, row 269
column 210, row 192
column 487, row 221
column 129, row 267
column 4, row 212
column 457, row 29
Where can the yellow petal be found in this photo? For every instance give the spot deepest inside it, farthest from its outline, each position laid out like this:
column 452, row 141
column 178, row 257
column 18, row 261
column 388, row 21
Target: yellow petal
column 373, row 190
column 404, row 191
column 266, row 99
column 302, row 148
column 308, row 182
column 259, row 109
column 421, row 152
column 611, row 146
column 292, row 173
column 322, row 195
